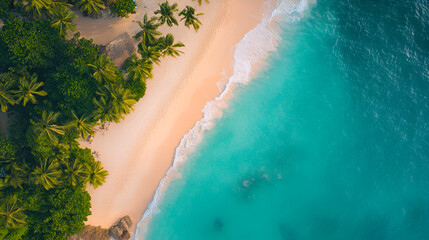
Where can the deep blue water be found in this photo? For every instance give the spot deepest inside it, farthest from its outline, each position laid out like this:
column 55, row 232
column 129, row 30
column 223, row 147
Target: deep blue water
column 329, row 141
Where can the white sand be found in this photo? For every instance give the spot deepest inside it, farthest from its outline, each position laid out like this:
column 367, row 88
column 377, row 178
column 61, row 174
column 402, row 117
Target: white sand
column 138, row 150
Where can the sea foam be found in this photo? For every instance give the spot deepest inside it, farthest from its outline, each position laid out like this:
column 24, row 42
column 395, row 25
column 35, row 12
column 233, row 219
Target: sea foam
column 254, row 48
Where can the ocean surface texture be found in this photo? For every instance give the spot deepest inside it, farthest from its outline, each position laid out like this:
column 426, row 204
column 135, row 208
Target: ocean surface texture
column 329, row 141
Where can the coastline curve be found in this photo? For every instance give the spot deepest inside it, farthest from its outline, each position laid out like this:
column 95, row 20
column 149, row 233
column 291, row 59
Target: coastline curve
column 249, row 53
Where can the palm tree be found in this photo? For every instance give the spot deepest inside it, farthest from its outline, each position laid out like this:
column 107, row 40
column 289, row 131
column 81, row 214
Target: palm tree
column 74, row 173
column 201, row 1
column 152, row 53
column 48, row 174
column 6, row 97
column 90, row 7
column 46, row 127
column 16, row 176
column 138, row 69
column 167, row 13
column 28, row 89
column 96, row 175
column 169, row 47
column 122, row 99
column 105, row 111
column 36, row 6
column 148, row 34
column 103, row 69
column 13, row 214
column 190, row 18
column 84, row 125
column 63, row 20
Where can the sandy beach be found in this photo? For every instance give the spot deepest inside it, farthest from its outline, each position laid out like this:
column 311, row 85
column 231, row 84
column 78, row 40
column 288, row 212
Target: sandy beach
column 138, row 151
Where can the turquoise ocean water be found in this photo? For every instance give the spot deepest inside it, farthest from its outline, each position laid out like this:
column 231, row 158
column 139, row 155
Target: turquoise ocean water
column 329, row 141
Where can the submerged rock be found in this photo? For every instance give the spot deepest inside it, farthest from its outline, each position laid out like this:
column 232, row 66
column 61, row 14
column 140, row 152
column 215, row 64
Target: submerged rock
column 218, row 224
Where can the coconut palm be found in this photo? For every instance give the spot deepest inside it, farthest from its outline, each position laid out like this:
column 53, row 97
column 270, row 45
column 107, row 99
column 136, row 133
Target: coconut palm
column 105, row 111
column 148, row 34
column 27, row 89
column 63, row 20
column 46, row 127
column 167, row 13
column 16, row 176
column 36, row 7
column 12, row 213
column 74, row 173
column 169, row 47
column 190, row 17
column 47, row 174
column 152, row 53
column 96, row 175
column 6, row 97
column 201, row 1
column 90, row 7
column 138, row 69
column 84, row 125
column 122, row 99
column 104, row 69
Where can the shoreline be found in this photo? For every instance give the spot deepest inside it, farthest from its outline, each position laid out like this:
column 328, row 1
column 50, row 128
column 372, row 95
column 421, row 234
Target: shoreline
column 138, row 151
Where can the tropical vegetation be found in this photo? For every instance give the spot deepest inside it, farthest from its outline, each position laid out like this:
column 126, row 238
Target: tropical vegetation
column 166, row 12
column 190, row 17
column 55, row 90
column 123, row 8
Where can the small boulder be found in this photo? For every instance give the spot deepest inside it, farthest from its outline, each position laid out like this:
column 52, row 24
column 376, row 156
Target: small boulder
column 119, row 231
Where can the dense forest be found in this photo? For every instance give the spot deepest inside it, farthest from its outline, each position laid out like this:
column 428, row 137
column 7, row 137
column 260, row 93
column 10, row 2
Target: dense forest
column 55, row 89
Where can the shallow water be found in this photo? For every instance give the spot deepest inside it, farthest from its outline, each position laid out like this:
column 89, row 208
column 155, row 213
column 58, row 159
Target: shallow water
column 329, row 141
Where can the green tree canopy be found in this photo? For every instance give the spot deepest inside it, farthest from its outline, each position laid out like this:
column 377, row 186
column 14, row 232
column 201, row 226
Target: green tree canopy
column 123, row 7
column 11, row 214
column 90, row 7
column 28, row 87
column 96, row 175
column 138, row 69
column 63, row 21
column 166, row 12
column 46, row 127
column 169, row 47
column 47, row 174
column 190, row 17
column 148, row 34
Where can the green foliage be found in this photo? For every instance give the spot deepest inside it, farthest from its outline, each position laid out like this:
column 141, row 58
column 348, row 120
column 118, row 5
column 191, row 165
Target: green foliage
column 166, row 12
column 63, row 20
column 123, row 7
column 28, row 44
column 201, row 1
column 137, row 88
column 152, row 53
column 45, row 126
column 104, row 69
column 96, row 175
column 190, row 17
column 148, row 34
column 8, row 149
column 83, row 125
column 169, row 48
column 28, row 87
column 11, row 214
column 57, row 213
column 90, row 7
column 5, row 9
column 47, row 174
column 138, row 69
column 6, row 97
